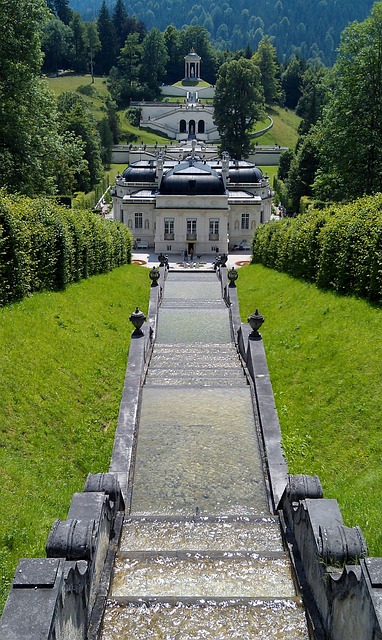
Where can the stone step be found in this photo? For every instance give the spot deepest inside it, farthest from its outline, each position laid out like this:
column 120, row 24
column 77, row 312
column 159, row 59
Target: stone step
column 195, row 376
column 171, row 365
column 222, row 357
column 189, row 304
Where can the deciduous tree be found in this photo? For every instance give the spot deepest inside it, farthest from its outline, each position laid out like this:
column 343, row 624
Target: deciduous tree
column 93, row 44
column 27, row 109
column 76, row 118
column 57, row 41
column 350, row 139
column 154, row 61
column 238, row 104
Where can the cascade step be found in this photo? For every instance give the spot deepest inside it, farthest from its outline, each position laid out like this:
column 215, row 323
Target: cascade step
column 205, row 534
column 195, row 377
column 171, row 364
column 194, row 381
column 200, row 555
column 182, row 574
column 198, row 453
column 216, row 355
column 193, row 304
column 181, row 325
column 252, row 620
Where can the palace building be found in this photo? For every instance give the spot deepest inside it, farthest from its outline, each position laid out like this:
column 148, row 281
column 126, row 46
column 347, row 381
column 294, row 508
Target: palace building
column 194, row 204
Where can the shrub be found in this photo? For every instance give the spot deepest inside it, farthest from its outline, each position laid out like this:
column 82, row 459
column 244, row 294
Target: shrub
column 46, row 246
column 339, row 248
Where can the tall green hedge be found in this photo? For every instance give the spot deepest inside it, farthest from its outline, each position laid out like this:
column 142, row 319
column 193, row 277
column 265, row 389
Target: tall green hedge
column 339, row 248
column 46, row 246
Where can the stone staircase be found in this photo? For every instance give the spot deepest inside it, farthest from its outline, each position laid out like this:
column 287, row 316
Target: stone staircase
column 201, row 555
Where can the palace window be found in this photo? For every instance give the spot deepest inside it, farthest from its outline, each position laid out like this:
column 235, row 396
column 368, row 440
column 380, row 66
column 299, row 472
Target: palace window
column 138, row 221
column 245, row 220
column 214, row 229
column 191, row 229
column 169, row 228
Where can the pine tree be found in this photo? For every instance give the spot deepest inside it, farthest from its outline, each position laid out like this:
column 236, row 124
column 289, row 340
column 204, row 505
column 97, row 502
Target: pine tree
column 266, row 60
column 107, row 56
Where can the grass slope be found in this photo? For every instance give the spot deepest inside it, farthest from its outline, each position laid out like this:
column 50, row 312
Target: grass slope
column 97, row 101
column 98, row 90
column 324, row 354
column 284, row 130
column 61, row 376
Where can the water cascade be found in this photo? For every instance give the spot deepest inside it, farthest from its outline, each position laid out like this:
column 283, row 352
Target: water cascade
column 201, row 553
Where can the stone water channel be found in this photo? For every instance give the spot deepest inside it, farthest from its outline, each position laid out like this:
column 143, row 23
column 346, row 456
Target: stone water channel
column 201, row 554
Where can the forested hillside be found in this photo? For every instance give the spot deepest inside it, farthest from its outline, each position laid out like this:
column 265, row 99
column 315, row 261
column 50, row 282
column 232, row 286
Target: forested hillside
column 312, row 27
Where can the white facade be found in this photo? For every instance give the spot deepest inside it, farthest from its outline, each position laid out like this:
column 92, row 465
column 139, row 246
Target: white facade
column 192, row 204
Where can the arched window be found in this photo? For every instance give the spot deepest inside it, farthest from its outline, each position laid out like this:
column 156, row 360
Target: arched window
column 182, row 126
column 191, row 127
column 201, row 126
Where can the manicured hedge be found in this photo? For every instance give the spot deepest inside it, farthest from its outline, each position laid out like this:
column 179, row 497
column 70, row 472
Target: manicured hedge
column 339, row 248
column 46, row 246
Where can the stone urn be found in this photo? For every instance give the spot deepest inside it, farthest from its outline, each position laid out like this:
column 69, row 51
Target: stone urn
column 255, row 321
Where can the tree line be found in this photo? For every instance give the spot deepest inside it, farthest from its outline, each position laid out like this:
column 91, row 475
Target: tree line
column 306, row 28
column 52, row 147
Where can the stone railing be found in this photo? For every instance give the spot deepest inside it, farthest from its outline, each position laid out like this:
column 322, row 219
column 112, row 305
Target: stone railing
column 55, row 597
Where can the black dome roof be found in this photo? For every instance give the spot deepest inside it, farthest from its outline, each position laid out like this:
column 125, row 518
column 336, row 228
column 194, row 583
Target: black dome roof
column 192, row 178
column 241, row 171
column 140, row 172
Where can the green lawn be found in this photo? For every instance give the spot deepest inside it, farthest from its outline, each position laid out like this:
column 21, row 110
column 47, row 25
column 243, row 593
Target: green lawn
column 324, row 353
column 62, row 369
column 96, row 102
